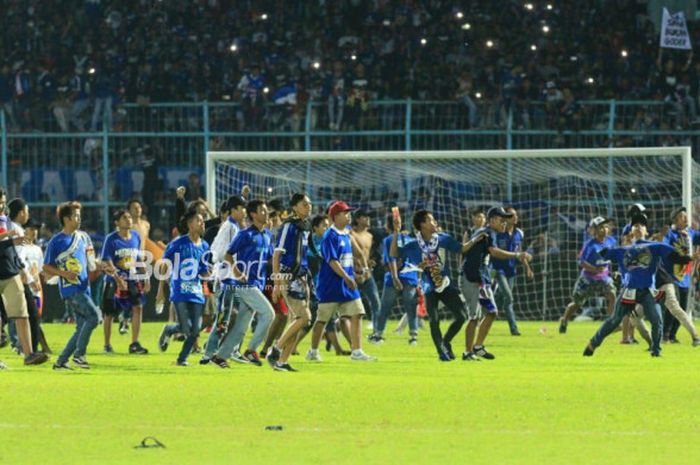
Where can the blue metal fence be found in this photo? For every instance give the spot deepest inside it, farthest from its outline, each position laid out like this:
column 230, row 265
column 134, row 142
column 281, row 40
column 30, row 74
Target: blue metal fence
column 151, row 149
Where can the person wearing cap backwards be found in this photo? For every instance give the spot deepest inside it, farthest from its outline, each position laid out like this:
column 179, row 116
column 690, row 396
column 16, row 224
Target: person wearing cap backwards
column 225, row 313
column 475, row 281
column 638, row 263
column 337, row 289
column 682, row 239
column 510, row 240
column 595, row 279
column 423, row 248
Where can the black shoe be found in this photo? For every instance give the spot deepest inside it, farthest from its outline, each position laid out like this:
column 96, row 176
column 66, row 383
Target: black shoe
column 655, row 354
column 204, row 360
column 448, row 350
column 37, row 358
column 328, row 346
column 220, row 362
column 163, row 340
column 562, row 327
column 480, row 351
column 273, row 355
column 81, row 362
column 515, row 333
column 470, row 357
column 62, row 367
column 180, row 337
column 137, row 348
column 587, row 352
column 4, row 340
column 444, row 356
column 283, row 367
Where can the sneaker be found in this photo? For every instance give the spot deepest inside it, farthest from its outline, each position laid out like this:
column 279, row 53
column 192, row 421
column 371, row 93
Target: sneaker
column 238, row 358
column 163, row 340
column 634, row 341
column 123, row 327
column 515, row 333
column 376, row 340
column 263, row 354
column 562, row 327
column 360, row 356
column 413, row 341
column 4, row 340
column 444, row 356
column 253, row 357
column 655, row 354
column 313, row 356
column 480, row 351
column 62, row 367
column 626, row 341
column 109, row 349
column 696, row 342
column 204, row 360
column 81, row 362
column 447, row 348
column 273, row 355
column 182, row 363
column 283, row 367
column 137, row 348
column 37, row 358
column 220, row 362
column 588, row 351
column 470, row 357
column 179, row 337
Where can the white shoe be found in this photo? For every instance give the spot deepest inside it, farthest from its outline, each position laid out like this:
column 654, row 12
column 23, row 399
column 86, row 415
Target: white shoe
column 238, row 358
column 313, row 356
column 360, row 356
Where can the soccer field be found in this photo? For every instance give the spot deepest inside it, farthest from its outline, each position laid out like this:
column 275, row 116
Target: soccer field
column 539, row 402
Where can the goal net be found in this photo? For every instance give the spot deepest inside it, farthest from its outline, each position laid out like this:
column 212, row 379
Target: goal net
column 556, row 193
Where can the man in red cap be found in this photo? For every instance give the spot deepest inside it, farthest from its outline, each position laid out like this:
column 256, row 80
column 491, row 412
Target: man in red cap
column 337, row 290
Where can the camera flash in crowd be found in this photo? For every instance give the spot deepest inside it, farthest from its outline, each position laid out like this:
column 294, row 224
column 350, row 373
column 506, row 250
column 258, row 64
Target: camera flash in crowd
column 533, row 47
column 633, row 190
column 266, row 90
column 545, row 29
column 590, row 80
column 386, row 22
column 549, row 6
column 263, row 16
column 489, row 43
column 423, row 41
column 233, row 47
column 353, row 57
column 316, row 65
column 459, row 15
column 477, row 95
column 529, row 6
column 269, row 190
column 466, row 26
column 91, row 71
column 623, row 54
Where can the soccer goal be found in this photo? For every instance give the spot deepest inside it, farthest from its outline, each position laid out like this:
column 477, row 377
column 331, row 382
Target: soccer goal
column 556, row 193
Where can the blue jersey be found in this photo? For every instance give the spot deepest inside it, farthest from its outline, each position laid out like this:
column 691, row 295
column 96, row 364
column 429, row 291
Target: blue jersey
column 590, row 253
column 638, row 262
column 123, row 253
column 476, row 266
column 416, row 251
column 293, row 242
column 67, row 252
column 681, row 243
column 408, row 277
column 252, row 249
column 335, row 245
column 510, row 243
column 189, row 263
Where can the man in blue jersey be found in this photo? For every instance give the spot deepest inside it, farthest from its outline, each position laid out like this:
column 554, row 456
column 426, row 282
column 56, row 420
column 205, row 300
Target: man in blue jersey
column 290, row 271
column 337, row 289
column 188, row 267
column 70, row 255
column 400, row 281
column 225, row 312
column 248, row 255
column 428, row 248
column 475, row 282
column 510, row 240
column 638, row 263
column 122, row 293
column 683, row 239
column 595, row 279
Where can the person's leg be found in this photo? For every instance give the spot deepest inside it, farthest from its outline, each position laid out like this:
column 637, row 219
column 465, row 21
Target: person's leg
column 265, row 313
column 224, row 301
column 91, row 315
column 107, row 329
column 409, row 304
column 610, row 324
column 236, row 334
column 652, row 312
column 387, row 303
column 431, row 306
column 299, row 311
column 369, row 292
column 454, row 302
column 682, row 293
column 192, row 314
column 70, row 346
column 673, row 305
column 505, row 303
column 324, row 313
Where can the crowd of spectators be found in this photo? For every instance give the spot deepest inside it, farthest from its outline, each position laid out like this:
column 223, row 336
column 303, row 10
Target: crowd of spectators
column 69, row 65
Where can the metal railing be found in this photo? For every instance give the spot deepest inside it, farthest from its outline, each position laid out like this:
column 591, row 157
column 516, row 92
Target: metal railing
column 150, row 149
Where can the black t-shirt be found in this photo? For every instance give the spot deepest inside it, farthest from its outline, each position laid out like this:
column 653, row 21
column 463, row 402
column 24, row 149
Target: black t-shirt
column 475, row 266
column 10, row 263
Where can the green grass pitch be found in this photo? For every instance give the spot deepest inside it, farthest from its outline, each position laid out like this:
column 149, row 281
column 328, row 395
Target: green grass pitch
column 539, row 402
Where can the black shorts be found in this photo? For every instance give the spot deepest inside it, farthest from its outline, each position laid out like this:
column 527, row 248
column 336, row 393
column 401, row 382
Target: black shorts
column 108, row 307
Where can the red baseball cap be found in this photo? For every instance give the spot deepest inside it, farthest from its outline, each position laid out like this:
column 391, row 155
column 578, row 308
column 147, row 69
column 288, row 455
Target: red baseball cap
column 338, row 207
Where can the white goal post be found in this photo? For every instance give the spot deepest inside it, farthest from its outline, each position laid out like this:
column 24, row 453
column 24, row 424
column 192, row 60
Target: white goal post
column 556, row 192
